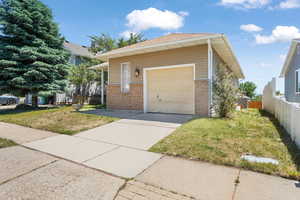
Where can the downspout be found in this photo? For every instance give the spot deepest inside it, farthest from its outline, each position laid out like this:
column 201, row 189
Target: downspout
column 210, row 76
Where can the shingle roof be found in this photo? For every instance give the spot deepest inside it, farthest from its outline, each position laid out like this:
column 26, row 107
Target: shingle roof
column 77, row 49
column 163, row 39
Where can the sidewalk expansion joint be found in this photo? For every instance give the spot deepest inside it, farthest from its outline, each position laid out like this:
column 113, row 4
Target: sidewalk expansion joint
column 11, row 179
column 236, row 184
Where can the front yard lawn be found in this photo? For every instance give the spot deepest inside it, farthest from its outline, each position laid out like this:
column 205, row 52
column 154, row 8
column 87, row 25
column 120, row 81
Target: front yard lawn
column 62, row 120
column 6, row 143
column 223, row 141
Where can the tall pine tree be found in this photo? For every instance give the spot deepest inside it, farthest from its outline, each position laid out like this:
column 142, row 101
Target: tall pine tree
column 32, row 57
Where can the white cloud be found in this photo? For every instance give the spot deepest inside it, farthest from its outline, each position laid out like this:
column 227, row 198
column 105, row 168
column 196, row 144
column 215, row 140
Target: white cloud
column 289, row 4
column 248, row 4
column 250, row 28
column 141, row 20
column 279, row 34
column 282, row 57
column 183, row 13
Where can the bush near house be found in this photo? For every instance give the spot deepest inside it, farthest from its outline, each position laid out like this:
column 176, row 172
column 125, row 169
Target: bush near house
column 225, row 140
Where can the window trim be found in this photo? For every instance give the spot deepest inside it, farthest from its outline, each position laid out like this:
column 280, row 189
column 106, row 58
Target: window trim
column 121, row 70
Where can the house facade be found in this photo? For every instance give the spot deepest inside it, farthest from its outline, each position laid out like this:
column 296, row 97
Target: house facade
column 291, row 73
column 169, row 74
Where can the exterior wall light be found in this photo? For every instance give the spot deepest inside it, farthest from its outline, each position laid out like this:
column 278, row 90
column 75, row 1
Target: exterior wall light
column 137, row 72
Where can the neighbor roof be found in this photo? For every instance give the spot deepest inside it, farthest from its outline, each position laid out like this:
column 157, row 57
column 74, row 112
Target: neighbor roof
column 77, row 49
column 289, row 56
column 178, row 40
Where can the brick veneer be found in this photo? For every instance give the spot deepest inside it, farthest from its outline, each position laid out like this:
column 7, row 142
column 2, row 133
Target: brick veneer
column 133, row 100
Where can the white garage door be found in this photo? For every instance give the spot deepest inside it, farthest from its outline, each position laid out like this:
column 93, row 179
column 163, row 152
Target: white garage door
column 171, row 90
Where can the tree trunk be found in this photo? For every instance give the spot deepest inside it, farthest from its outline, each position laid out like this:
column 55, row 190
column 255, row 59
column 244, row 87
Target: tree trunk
column 34, row 101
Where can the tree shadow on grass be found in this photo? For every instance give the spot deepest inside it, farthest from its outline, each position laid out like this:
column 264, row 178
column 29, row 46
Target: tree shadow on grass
column 16, row 111
column 285, row 138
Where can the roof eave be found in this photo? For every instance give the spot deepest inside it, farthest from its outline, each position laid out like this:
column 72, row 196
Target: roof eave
column 242, row 76
column 171, row 45
column 108, row 55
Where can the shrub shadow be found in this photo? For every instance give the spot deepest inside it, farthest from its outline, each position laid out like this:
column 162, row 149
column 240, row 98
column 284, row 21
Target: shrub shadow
column 285, row 138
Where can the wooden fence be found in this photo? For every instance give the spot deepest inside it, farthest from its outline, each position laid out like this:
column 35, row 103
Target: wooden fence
column 255, row 104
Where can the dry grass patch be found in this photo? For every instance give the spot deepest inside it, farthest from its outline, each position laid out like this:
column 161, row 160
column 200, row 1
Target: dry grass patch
column 223, row 141
column 60, row 120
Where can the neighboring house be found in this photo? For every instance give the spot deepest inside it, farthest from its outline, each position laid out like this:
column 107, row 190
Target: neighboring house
column 78, row 53
column 291, row 73
column 169, row 74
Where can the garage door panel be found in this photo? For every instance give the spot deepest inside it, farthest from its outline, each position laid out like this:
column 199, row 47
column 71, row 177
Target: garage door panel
column 171, row 90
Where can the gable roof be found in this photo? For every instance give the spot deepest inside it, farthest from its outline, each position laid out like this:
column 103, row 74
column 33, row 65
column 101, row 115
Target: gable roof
column 177, row 40
column 77, row 50
column 163, row 39
column 289, row 57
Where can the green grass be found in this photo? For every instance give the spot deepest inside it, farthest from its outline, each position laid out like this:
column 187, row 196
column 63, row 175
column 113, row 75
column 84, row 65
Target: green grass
column 6, row 143
column 62, row 120
column 223, row 141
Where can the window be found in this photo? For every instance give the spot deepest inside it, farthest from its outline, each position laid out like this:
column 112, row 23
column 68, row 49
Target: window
column 298, row 81
column 125, row 77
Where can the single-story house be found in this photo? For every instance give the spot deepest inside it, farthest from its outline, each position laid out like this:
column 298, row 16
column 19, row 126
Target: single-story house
column 168, row 74
column 291, row 73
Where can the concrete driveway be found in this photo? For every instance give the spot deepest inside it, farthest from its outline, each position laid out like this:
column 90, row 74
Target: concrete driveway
column 119, row 148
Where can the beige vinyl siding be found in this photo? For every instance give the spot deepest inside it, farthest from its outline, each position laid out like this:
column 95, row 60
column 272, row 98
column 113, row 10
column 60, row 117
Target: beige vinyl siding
column 174, row 95
column 195, row 54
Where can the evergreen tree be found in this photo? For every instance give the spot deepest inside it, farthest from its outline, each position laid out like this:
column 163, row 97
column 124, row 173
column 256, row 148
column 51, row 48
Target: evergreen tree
column 32, row 57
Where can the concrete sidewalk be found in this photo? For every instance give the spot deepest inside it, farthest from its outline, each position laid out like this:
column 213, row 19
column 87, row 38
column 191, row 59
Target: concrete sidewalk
column 119, row 148
column 21, row 134
column 27, row 174
column 213, row 182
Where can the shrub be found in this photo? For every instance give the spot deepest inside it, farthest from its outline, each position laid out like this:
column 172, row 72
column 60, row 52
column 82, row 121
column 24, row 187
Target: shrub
column 225, row 92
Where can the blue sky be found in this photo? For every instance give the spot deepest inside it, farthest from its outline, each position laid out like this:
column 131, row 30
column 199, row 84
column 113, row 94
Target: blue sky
column 259, row 30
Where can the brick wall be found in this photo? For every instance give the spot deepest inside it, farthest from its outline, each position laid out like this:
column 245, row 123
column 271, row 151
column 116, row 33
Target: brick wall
column 133, row 100
column 201, row 97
